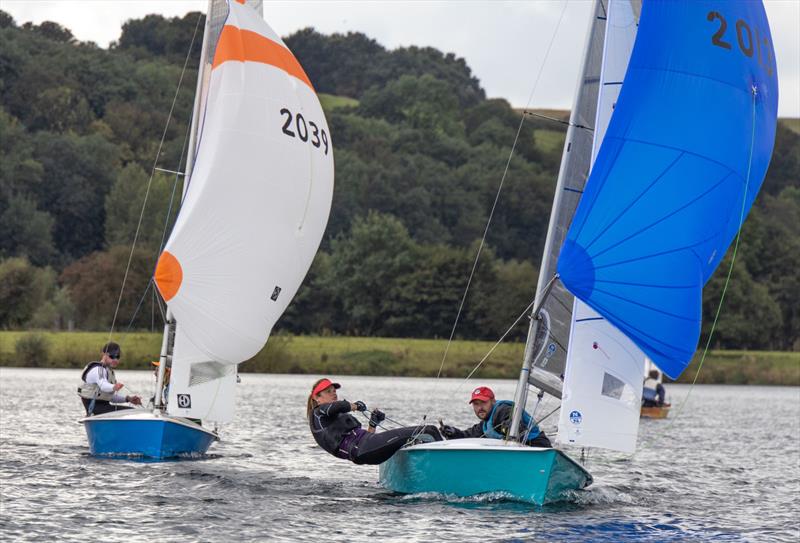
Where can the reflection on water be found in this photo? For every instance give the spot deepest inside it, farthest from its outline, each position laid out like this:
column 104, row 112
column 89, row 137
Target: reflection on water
column 727, row 469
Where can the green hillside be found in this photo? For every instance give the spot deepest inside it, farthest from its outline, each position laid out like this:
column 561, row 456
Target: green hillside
column 330, row 102
column 419, row 155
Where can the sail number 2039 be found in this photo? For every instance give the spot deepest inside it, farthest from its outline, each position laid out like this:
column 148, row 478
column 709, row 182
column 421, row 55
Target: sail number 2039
column 750, row 40
column 296, row 126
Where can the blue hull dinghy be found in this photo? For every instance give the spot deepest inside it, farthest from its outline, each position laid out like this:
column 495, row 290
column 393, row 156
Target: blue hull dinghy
column 529, row 474
column 240, row 247
column 143, row 433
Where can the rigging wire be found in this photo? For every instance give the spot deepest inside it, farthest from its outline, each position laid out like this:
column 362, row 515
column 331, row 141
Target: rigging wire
column 150, row 180
column 497, row 196
column 576, row 125
column 497, row 343
column 499, row 190
column 138, row 307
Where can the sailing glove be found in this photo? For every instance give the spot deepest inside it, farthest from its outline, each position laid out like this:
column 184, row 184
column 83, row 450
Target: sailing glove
column 376, row 418
column 449, row 432
column 360, row 406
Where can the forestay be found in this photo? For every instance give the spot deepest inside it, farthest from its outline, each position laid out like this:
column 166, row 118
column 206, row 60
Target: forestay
column 254, row 213
column 694, row 125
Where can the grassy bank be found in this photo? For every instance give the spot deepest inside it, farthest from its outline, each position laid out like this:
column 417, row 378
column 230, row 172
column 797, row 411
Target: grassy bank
column 371, row 356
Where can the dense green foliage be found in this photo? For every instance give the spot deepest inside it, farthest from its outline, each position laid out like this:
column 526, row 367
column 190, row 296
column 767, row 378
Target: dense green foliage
column 420, row 153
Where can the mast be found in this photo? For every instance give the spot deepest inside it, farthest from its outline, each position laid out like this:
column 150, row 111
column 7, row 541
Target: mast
column 543, row 360
column 603, row 369
column 216, row 14
column 203, row 73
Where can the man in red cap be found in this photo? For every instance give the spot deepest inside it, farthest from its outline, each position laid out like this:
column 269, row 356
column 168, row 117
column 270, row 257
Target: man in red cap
column 495, row 419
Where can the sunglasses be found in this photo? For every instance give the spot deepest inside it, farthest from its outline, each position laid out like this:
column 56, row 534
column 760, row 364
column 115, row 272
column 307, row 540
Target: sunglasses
column 114, row 356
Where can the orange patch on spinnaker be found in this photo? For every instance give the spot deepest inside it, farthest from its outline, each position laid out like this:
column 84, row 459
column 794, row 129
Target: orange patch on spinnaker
column 246, row 45
column 168, row 275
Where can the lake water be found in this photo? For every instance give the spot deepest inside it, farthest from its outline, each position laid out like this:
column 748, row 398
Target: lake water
column 727, row 468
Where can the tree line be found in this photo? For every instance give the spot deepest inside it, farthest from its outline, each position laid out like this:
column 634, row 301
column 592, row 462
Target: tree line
column 419, row 156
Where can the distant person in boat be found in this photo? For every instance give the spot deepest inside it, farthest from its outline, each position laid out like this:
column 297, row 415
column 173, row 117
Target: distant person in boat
column 496, row 420
column 653, row 393
column 165, row 390
column 99, row 389
column 340, row 433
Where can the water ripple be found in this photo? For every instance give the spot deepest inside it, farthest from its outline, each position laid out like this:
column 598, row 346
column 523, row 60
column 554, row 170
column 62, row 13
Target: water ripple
column 728, row 469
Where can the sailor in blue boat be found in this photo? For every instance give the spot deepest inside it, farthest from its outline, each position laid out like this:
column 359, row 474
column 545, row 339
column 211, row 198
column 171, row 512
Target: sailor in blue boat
column 99, row 390
column 165, row 390
column 653, row 393
column 495, row 419
column 337, row 431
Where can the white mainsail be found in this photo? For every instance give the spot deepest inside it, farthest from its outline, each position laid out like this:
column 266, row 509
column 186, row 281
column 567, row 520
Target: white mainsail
column 547, row 350
column 253, row 215
column 603, row 383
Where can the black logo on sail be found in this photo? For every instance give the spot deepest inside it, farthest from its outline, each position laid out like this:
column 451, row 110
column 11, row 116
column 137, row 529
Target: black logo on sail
column 184, row 401
column 275, row 294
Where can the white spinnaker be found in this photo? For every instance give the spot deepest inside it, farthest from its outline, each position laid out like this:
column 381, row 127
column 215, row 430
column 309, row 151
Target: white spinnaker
column 252, row 217
column 256, row 207
column 602, row 389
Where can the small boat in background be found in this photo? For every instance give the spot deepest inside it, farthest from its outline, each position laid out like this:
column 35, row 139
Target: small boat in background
column 668, row 143
column 655, row 412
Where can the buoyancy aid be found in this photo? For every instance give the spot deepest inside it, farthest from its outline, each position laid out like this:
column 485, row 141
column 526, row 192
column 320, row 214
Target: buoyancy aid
column 650, row 390
column 489, row 424
column 91, row 391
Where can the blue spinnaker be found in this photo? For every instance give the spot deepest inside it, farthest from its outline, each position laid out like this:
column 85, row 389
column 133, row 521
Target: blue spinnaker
column 685, row 152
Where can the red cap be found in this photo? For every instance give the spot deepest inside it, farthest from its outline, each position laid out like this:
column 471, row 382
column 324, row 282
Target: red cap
column 322, row 385
column 482, row 393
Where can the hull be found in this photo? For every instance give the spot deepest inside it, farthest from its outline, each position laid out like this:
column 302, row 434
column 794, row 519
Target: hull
column 655, row 412
column 142, row 433
column 467, row 467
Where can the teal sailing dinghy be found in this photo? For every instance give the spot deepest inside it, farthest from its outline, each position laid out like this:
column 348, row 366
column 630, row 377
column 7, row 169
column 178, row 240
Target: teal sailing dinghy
column 669, row 139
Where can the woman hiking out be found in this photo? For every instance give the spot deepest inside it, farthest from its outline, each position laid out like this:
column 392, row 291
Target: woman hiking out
column 338, row 432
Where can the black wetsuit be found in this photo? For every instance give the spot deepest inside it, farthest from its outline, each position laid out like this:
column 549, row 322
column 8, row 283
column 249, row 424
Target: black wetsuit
column 338, row 432
column 501, row 420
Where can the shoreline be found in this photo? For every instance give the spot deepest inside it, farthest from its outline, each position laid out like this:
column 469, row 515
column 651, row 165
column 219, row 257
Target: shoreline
column 388, row 357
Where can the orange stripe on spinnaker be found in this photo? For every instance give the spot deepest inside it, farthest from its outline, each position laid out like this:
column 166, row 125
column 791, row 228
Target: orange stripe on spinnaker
column 168, row 276
column 246, row 45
